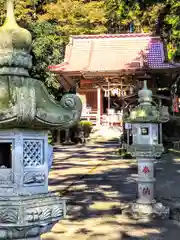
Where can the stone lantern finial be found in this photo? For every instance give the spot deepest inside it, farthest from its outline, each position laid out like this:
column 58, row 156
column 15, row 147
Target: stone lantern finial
column 10, row 8
column 145, row 84
column 145, row 95
column 10, row 18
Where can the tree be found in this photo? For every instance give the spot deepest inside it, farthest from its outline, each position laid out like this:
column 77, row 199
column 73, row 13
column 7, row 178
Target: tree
column 47, row 49
column 76, row 16
column 121, row 14
column 51, row 22
column 159, row 17
column 172, row 20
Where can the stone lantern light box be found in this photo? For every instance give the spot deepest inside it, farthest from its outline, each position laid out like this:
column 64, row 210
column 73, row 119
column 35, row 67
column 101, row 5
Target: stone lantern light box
column 23, row 162
column 146, row 133
column 145, row 119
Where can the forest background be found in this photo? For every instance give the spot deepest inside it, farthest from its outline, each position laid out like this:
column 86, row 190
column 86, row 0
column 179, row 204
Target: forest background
column 51, row 22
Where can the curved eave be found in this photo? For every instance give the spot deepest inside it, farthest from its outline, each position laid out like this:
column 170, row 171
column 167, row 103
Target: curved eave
column 37, row 123
column 63, row 70
column 88, row 74
column 140, row 120
column 58, row 68
column 157, row 96
column 166, row 66
column 110, row 73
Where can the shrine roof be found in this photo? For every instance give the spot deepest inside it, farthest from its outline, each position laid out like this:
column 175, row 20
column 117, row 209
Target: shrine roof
column 113, row 53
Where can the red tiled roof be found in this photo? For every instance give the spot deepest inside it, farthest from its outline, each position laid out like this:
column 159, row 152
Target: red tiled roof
column 117, row 52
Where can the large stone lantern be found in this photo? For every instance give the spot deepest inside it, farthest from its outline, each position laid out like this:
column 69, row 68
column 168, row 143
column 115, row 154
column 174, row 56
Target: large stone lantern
column 145, row 119
column 27, row 112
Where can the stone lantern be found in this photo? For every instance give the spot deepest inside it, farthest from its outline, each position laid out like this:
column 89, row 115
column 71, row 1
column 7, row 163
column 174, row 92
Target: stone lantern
column 145, row 119
column 27, row 112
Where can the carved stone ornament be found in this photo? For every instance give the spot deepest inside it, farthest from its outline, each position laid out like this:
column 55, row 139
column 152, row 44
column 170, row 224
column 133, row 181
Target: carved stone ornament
column 34, row 177
column 8, row 215
column 43, row 213
column 6, row 178
column 24, row 217
column 33, row 152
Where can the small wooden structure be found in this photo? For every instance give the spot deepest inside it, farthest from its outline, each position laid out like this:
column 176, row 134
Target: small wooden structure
column 108, row 68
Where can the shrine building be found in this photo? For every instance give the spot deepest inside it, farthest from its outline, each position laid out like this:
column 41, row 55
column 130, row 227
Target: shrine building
column 108, row 69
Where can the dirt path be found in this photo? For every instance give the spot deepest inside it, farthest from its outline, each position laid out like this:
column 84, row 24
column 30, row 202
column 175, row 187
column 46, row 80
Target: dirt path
column 99, row 189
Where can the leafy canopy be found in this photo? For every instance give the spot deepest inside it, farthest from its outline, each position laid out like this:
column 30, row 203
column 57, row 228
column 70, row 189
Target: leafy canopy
column 53, row 21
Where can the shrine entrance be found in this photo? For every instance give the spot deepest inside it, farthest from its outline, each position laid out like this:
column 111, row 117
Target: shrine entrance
column 103, row 100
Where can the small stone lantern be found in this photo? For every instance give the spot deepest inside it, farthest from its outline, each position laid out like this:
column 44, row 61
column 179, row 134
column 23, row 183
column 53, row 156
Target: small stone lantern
column 27, row 112
column 146, row 148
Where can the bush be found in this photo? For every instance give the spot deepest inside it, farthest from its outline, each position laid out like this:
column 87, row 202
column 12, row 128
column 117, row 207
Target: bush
column 85, row 123
column 50, row 138
column 124, row 154
column 86, row 127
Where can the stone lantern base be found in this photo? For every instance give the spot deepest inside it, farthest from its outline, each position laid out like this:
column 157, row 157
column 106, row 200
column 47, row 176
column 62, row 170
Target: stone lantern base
column 27, row 217
column 147, row 211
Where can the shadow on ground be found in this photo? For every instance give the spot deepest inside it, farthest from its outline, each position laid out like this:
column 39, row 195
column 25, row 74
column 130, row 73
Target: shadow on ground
column 96, row 193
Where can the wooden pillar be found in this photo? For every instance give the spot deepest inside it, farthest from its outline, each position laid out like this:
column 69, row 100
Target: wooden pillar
column 109, row 103
column 160, row 125
column 98, row 123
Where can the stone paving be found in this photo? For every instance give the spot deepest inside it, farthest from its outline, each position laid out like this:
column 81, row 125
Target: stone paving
column 97, row 186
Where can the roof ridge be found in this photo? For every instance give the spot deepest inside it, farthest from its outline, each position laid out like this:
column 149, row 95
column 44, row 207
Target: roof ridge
column 128, row 35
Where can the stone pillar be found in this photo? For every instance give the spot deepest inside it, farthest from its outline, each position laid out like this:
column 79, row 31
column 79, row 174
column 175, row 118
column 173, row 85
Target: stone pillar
column 146, row 181
column 67, row 137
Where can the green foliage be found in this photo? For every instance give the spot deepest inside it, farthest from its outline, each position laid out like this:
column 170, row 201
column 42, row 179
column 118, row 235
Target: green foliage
column 75, row 16
column 173, row 21
column 50, row 138
column 55, row 23
column 85, row 123
column 159, row 17
column 47, row 49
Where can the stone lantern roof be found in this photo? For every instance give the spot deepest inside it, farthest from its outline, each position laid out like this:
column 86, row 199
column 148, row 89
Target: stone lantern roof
column 147, row 111
column 24, row 101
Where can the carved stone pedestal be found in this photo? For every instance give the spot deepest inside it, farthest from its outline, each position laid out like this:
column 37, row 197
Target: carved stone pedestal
column 146, row 205
column 27, row 217
column 147, row 211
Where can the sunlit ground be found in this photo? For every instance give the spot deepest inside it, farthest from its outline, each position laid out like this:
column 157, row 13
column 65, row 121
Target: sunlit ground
column 101, row 188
